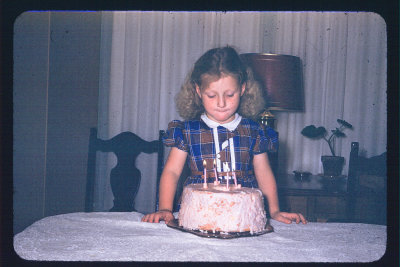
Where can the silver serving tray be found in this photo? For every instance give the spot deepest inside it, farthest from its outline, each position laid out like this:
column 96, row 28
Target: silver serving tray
column 217, row 234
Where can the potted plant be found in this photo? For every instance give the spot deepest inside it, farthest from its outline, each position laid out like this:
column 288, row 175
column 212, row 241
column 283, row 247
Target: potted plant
column 332, row 165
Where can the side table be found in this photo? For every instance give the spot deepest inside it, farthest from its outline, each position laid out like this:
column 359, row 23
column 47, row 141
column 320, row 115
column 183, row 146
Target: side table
column 318, row 198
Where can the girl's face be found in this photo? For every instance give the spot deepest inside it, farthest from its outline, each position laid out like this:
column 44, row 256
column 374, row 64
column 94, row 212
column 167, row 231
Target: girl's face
column 221, row 99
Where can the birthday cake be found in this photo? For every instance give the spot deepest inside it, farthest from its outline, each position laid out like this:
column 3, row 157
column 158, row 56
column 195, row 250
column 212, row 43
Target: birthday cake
column 218, row 208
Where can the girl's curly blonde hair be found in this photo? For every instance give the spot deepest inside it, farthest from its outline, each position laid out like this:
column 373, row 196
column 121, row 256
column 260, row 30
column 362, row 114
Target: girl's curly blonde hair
column 214, row 64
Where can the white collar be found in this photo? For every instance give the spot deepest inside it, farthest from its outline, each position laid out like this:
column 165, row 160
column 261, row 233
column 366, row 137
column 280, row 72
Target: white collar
column 231, row 126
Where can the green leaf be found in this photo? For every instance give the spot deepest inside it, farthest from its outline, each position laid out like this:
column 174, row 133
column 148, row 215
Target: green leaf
column 344, row 123
column 311, row 131
column 340, row 134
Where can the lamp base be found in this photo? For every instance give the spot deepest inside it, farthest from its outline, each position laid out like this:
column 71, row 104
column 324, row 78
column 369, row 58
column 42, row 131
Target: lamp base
column 267, row 119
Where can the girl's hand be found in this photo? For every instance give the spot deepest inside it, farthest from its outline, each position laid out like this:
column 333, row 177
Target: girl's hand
column 161, row 215
column 287, row 217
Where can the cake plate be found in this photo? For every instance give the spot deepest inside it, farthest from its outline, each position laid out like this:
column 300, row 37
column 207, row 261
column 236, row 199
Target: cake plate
column 217, row 234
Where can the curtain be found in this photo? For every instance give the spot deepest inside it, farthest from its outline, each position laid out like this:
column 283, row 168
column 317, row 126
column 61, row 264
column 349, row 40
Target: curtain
column 146, row 56
column 344, row 67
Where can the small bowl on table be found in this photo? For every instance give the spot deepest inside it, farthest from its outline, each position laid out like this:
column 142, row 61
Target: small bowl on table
column 302, row 176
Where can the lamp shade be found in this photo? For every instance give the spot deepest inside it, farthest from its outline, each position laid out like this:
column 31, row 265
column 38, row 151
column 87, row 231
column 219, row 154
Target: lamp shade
column 282, row 78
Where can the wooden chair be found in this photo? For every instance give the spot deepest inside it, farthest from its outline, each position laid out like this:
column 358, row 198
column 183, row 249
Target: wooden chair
column 367, row 182
column 124, row 177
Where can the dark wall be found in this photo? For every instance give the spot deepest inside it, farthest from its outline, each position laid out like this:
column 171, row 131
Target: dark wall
column 56, row 80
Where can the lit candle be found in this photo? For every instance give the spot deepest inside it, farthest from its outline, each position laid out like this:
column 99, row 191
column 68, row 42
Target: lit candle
column 216, row 182
column 205, row 173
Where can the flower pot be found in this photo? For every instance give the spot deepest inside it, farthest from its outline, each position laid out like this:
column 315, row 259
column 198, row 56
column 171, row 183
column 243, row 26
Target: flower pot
column 333, row 165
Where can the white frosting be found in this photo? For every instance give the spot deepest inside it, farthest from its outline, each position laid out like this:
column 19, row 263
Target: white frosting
column 217, row 209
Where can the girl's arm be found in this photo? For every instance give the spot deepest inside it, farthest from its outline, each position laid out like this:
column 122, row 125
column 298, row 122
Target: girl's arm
column 267, row 184
column 168, row 182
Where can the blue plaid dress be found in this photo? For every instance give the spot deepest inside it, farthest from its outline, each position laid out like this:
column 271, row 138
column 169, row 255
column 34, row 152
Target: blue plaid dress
column 196, row 138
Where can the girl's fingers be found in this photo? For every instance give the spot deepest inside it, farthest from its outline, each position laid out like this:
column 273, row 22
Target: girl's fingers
column 157, row 216
column 282, row 218
column 299, row 218
column 288, row 218
column 144, row 218
column 303, row 220
column 148, row 218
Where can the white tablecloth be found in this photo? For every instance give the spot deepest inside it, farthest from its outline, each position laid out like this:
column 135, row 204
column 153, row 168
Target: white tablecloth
column 106, row 236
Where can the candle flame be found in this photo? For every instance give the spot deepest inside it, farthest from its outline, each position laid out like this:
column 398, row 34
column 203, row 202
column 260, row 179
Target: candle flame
column 204, row 163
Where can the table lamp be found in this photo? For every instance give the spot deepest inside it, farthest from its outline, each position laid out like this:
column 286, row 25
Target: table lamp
column 282, row 78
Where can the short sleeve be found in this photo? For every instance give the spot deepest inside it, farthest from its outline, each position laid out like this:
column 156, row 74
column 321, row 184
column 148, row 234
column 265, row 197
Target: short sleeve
column 175, row 137
column 272, row 139
column 266, row 141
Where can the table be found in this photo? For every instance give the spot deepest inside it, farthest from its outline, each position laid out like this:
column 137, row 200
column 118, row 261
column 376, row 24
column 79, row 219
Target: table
column 118, row 236
column 318, row 198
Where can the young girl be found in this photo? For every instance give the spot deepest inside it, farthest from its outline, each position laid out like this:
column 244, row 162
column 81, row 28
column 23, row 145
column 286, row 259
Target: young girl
column 217, row 100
